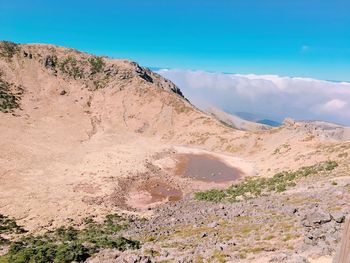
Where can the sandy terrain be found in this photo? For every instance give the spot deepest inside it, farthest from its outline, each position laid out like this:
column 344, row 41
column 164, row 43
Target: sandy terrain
column 86, row 142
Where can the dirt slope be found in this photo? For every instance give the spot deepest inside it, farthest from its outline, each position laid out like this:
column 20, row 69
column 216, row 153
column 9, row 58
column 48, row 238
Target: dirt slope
column 78, row 130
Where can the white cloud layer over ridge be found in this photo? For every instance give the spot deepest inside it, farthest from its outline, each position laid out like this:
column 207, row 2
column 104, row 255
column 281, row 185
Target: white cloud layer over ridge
column 267, row 95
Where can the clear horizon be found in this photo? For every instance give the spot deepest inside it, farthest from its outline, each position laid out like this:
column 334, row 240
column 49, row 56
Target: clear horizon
column 290, row 38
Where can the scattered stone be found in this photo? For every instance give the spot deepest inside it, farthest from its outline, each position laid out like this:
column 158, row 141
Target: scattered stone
column 63, row 92
column 338, row 217
column 204, row 235
column 213, row 225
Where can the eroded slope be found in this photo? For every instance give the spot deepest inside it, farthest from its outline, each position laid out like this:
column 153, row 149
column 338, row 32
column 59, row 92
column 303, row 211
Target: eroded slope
column 81, row 135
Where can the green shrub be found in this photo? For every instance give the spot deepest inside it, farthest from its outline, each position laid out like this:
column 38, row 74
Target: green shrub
column 9, row 226
column 70, row 67
column 67, row 234
column 96, row 64
column 330, row 165
column 40, row 250
column 9, row 99
column 281, row 187
column 67, row 244
column 8, row 49
column 68, row 252
column 253, row 186
column 213, row 195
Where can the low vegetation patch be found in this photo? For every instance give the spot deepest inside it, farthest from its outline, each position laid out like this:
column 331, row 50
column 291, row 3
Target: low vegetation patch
column 253, row 186
column 67, row 244
column 9, row 96
column 96, row 64
column 9, row 226
column 70, row 66
column 8, row 49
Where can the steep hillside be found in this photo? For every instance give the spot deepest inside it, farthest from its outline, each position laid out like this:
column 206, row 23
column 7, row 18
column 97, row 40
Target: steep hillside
column 110, row 94
column 70, row 122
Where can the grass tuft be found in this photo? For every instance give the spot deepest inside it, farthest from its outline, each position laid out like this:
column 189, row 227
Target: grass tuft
column 70, row 67
column 96, row 64
column 254, row 187
column 9, row 96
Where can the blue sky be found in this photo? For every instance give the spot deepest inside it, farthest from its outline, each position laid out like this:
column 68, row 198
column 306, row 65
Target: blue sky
column 286, row 37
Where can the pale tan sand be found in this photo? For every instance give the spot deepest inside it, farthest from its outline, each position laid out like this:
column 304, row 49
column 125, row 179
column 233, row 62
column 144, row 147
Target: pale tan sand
column 64, row 156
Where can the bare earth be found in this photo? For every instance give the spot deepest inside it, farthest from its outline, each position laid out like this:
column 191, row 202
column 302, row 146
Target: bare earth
column 109, row 141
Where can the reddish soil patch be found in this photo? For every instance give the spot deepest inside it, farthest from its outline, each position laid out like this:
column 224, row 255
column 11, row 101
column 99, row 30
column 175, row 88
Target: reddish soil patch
column 160, row 191
column 152, row 192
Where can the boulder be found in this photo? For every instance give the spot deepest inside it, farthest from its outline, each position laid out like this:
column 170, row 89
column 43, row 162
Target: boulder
column 288, row 258
column 338, row 217
column 317, row 217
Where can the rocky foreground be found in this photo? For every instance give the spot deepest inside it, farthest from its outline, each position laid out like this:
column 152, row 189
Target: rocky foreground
column 302, row 224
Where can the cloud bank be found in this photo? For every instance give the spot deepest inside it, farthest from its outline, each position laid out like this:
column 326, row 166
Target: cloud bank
column 271, row 96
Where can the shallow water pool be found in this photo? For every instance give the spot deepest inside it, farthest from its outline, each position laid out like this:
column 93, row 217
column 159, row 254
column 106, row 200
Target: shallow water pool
column 207, row 168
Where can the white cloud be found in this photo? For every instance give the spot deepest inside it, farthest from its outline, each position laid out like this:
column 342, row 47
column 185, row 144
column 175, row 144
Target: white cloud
column 333, row 106
column 269, row 95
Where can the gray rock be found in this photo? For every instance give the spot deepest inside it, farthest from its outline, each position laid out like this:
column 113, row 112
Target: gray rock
column 315, row 237
column 288, row 258
column 134, row 259
column 317, row 217
column 298, row 259
column 283, row 257
column 338, row 217
column 50, row 61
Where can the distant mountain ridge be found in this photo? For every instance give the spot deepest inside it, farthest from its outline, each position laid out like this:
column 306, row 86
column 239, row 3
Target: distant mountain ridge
column 237, row 122
column 258, row 119
column 269, row 122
